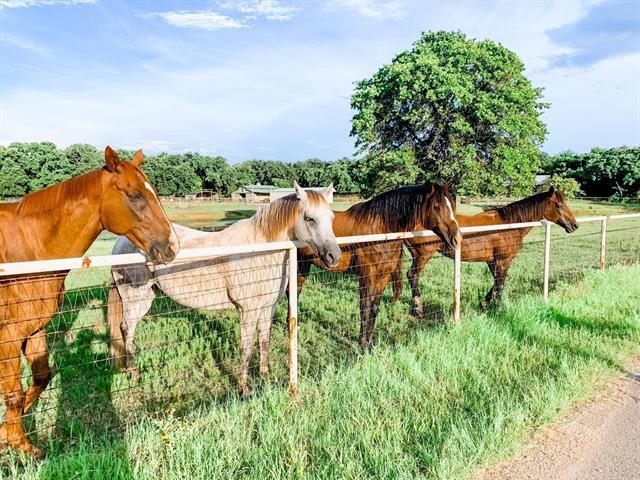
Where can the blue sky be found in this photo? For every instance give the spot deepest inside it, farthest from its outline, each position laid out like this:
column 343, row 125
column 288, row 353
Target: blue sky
column 272, row 79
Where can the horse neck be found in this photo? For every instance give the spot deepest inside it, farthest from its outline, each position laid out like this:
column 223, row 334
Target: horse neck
column 67, row 229
column 527, row 210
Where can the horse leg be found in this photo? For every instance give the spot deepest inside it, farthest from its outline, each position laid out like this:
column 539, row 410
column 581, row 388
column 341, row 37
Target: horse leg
column 491, row 293
column 264, row 334
column 365, row 308
column 304, row 266
column 396, row 279
column 248, row 326
column 35, row 350
column 502, row 268
column 133, row 312
column 12, row 430
column 420, row 260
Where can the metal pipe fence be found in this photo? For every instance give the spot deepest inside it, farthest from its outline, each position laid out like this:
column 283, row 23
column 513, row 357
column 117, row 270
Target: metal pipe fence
column 182, row 352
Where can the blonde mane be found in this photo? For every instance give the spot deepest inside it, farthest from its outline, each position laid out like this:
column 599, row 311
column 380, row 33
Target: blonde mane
column 280, row 215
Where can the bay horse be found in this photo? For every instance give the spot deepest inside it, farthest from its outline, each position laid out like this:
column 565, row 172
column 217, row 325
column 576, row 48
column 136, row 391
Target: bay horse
column 252, row 283
column 404, row 209
column 498, row 249
column 62, row 221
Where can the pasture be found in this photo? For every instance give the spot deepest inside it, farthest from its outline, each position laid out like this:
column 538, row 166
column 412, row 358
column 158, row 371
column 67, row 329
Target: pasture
column 433, row 400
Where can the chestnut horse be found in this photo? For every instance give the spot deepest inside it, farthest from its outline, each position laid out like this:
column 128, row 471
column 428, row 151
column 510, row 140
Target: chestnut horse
column 404, row 209
column 497, row 249
column 62, row 221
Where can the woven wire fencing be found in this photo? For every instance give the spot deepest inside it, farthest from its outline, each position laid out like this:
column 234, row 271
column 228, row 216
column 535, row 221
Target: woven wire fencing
column 187, row 339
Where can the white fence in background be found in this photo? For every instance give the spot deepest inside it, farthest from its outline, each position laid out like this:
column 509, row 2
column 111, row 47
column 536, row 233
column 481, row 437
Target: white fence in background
column 48, row 266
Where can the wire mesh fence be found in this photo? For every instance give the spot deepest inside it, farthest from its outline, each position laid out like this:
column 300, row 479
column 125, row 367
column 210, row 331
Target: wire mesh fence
column 187, row 343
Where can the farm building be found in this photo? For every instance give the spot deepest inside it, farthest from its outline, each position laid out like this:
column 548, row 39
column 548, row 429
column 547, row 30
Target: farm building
column 277, row 193
column 253, row 193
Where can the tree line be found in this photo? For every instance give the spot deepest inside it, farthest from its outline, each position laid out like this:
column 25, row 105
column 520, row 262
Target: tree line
column 27, row 167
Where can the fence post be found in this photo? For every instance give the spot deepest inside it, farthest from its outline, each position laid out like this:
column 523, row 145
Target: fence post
column 547, row 253
column 603, row 241
column 456, row 282
column 293, row 321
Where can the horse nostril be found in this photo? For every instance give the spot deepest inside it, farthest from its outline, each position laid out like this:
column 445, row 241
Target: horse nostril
column 330, row 258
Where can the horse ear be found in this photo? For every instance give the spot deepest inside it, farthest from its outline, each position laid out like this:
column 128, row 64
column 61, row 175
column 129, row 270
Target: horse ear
column 111, row 159
column 327, row 192
column 447, row 187
column 138, row 158
column 300, row 193
column 552, row 189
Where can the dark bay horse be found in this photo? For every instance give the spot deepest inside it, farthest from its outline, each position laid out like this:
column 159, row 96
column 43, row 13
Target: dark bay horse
column 401, row 210
column 497, row 249
column 62, row 221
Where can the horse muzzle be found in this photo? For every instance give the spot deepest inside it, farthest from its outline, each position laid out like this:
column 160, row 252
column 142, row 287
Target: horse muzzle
column 161, row 252
column 331, row 257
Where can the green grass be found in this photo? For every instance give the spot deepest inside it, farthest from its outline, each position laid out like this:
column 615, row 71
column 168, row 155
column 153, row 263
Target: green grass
column 438, row 402
column 433, row 400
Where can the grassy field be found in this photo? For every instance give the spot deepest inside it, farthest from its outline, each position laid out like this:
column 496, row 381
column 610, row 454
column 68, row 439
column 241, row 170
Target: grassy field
column 433, row 400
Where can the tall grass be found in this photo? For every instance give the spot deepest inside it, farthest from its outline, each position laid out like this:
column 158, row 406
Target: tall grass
column 435, row 402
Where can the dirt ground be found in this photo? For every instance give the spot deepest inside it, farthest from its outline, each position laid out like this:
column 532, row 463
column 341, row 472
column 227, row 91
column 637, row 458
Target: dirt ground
column 597, row 440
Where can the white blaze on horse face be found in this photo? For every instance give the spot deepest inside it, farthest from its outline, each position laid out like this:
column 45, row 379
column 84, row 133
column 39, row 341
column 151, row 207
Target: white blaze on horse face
column 451, row 215
column 148, row 186
column 173, row 238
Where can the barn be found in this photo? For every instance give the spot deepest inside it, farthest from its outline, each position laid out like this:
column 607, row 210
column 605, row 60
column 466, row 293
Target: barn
column 253, row 193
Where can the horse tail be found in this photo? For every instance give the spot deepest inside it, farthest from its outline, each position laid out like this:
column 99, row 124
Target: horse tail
column 396, row 279
column 117, row 352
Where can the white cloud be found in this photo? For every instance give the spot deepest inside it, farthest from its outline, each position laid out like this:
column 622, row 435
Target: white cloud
column 19, row 42
column 203, row 20
column 42, row 3
column 369, row 8
column 270, row 9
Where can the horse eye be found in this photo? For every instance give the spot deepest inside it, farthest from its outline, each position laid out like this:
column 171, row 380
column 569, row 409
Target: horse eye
column 134, row 197
column 309, row 220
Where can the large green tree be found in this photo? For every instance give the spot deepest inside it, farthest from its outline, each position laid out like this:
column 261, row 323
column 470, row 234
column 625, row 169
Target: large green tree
column 465, row 109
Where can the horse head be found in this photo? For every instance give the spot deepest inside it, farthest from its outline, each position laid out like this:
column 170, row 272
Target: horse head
column 557, row 211
column 130, row 206
column 439, row 216
column 314, row 224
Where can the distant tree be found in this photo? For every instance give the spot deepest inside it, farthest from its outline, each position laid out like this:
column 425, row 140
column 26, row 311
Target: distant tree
column 83, row 158
column 464, row 107
column 265, row 172
column 172, row 175
column 342, row 173
column 214, row 172
column 600, row 172
column 13, row 179
column 312, row 172
column 568, row 186
column 381, row 172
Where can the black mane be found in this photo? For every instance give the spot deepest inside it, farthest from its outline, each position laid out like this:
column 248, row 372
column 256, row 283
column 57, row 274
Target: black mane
column 398, row 210
column 528, row 209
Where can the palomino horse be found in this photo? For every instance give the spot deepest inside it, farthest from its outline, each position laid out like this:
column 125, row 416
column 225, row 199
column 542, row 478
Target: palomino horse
column 497, row 249
column 401, row 210
column 62, row 221
column 252, row 283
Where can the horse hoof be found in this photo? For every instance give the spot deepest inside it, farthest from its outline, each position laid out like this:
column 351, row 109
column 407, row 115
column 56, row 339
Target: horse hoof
column 245, row 393
column 134, row 374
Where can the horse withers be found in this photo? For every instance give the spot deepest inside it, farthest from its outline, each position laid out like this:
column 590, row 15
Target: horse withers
column 62, row 221
column 252, row 283
column 404, row 209
column 498, row 249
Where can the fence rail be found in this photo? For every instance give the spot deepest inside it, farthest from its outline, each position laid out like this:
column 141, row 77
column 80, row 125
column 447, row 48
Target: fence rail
column 8, row 270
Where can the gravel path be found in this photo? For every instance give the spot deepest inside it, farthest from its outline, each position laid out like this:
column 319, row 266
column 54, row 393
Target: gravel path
column 599, row 440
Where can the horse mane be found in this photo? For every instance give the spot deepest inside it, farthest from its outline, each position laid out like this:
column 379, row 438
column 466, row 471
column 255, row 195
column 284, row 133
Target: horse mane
column 397, row 210
column 280, row 215
column 50, row 198
column 526, row 210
